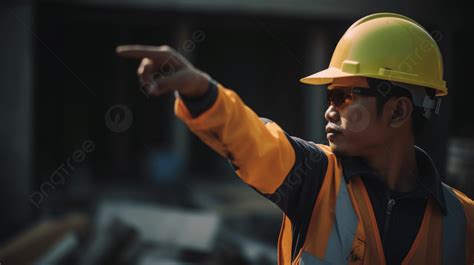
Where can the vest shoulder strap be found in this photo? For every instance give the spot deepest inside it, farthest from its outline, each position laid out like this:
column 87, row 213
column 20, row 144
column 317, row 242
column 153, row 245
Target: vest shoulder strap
column 454, row 229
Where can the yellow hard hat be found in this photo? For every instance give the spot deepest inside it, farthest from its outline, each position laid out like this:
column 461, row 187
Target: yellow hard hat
column 386, row 46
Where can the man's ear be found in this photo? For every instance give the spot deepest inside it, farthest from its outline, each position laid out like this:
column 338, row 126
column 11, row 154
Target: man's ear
column 400, row 111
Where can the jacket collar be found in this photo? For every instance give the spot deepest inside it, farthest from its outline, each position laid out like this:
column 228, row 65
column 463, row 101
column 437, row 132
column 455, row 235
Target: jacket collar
column 429, row 181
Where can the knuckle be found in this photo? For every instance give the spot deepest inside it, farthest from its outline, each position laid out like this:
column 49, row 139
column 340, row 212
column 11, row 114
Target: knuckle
column 168, row 49
column 145, row 62
column 165, row 48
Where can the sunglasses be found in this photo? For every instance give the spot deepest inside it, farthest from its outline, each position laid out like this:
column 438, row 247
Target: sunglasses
column 341, row 96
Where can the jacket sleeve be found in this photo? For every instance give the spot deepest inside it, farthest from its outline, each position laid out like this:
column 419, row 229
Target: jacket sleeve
column 285, row 169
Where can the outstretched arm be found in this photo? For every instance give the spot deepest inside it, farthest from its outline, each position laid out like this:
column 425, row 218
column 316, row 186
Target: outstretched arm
column 287, row 170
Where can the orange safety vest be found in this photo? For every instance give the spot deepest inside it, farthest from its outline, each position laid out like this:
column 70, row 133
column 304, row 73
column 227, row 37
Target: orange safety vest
column 343, row 229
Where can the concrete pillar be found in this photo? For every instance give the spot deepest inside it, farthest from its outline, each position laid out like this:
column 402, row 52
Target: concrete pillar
column 315, row 96
column 185, row 44
column 16, row 116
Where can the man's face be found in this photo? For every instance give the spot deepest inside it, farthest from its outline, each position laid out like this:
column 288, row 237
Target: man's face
column 354, row 128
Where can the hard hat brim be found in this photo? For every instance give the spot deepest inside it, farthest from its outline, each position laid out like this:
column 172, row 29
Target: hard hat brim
column 324, row 77
column 327, row 76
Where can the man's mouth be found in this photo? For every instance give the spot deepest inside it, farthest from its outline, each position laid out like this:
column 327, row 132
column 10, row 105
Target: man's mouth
column 331, row 132
column 332, row 129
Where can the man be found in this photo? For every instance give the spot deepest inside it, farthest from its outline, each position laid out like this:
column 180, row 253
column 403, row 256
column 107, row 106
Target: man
column 371, row 196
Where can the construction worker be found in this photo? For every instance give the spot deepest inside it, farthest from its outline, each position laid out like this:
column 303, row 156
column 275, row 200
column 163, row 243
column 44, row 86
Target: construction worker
column 371, row 196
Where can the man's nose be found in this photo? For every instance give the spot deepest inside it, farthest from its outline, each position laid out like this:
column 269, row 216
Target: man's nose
column 331, row 114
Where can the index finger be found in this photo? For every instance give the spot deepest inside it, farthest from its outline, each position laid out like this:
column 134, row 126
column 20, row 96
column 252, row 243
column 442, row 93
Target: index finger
column 160, row 55
column 140, row 51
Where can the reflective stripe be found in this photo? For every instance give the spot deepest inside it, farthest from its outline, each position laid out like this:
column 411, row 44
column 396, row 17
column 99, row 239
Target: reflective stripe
column 454, row 229
column 308, row 259
column 342, row 232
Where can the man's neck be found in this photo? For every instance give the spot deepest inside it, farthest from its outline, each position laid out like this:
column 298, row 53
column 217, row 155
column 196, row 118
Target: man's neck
column 395, row 164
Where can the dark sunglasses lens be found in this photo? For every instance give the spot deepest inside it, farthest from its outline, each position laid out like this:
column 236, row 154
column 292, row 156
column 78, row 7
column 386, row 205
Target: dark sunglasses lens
column 337, row 97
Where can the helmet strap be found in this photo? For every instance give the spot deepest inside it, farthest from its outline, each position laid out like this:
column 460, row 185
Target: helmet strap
column 421, row 99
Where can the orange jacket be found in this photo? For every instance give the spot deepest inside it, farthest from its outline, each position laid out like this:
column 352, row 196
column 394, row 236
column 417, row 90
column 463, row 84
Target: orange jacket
column 341, row 226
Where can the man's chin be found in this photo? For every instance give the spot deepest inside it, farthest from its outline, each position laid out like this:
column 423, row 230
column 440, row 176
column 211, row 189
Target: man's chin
column 337, row 150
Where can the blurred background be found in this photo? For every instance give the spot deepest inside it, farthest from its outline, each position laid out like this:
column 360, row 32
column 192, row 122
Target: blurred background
column 93, row 171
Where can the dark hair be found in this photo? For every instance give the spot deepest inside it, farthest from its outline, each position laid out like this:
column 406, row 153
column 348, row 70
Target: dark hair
column 419, row 122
